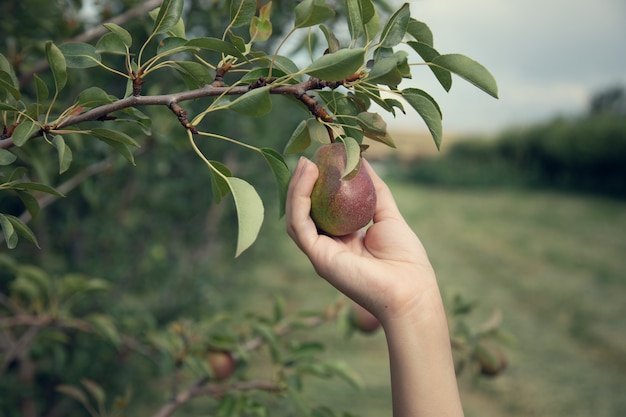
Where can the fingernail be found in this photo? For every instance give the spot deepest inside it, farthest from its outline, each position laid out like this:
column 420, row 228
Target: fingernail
column 304, row 162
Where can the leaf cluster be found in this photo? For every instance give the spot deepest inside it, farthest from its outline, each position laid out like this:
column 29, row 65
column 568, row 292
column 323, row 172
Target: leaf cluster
column 338, row 87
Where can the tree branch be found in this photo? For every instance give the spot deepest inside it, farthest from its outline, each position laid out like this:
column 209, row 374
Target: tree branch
column 215, row 390
column 95, row 32
column 171, row 101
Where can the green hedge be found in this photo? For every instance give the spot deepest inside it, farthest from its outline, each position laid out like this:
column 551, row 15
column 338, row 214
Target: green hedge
column 585, row 154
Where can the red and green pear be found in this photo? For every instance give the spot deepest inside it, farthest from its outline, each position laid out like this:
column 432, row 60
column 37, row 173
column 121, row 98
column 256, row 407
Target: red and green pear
column 341, row 205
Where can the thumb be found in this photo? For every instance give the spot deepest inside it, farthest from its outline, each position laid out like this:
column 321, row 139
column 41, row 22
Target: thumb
column 386, row 207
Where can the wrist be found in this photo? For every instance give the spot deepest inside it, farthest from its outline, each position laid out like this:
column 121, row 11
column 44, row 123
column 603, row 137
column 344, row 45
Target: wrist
column 423, row 307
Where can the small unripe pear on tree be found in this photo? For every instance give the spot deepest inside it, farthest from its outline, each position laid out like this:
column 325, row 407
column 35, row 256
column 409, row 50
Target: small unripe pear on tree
column 362, row 320
column 222, row 364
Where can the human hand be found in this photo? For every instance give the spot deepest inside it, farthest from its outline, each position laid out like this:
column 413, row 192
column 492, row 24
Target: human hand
column 383, row 268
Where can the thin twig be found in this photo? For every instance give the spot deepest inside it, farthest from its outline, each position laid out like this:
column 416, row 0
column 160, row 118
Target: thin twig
column 102, row 112
column 203, row 388
column 95, row 32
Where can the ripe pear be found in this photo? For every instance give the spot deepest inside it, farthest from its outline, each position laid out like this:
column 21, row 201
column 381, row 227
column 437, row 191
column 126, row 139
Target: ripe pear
column 340, row 206
column 222, row 364
column 491, row 360
column 362, row 320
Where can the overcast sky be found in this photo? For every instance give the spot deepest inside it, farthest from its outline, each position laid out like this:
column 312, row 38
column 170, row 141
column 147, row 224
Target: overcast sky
column 548, row 57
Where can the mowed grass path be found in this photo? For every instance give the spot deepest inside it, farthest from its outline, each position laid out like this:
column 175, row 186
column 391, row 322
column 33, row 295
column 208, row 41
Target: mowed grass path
column 554, row 264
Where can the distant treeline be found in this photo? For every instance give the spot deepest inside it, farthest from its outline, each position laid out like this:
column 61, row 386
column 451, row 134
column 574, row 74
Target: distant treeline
column 586, row 154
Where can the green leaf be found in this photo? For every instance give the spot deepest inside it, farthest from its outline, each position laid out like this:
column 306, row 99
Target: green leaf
column 256, row 102
column 470, row 70
column 168, row 16
column 311, row 12
column 121, row 33
column 317, row 131
column 172, row 45
column 353, row 155
column 140, row 118
column 420, row 32
column 121, row 148
column 194, row 74
column 80, row 55
column 253, row 75
column 396, row 27
column 296, row 400
column 178, row 30
column 16, row 174
column 242, row 12
column 250, row 212
column 218, row 45
column 114, row 135
column 390, row 70
column 331, row 39
column 6, row 66
column 104, row 326
column 10, row 236
column 34, row 186
column 57, row 64
column 260, row 29
column 427, row 109
column 338, row 65
column 93, row 96
column 111, row 43
column 96, row 391
column 41, row 90
column 306, row 350
column 372, row 26
column 270, row 338
column 24, row 131
column 72, row 286
column 7, row 83
column 300, row 139
column 74, row 392
column 286, row 65
column 218, row 182
column 6, row 157
column 428, row 54
column 355, row 20
column 281, row 173
column 23, row 230
column 8, row 79
column 374, row 127
column 29, row 201
column 343, row 371
column 119, row 141
column 26, row 285
column 279, row 308
column 64, row 153
column 9, row 108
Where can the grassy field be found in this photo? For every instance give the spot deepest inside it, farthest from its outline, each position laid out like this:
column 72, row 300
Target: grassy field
column 554, row 264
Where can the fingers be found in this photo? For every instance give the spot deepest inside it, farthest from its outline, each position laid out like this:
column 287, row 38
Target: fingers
column 300, row 226
column 386, row 207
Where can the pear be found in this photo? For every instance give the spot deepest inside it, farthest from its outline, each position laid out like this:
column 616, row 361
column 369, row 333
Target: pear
column 340, row 206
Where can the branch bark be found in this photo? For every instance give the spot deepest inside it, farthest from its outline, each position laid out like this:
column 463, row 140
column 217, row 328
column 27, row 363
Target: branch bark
column 202, row 388
column 171, row 101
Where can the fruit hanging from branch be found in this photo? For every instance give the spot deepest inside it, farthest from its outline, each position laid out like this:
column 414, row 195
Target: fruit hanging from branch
column 362, row 320
column 343, row 198
column 339, row 83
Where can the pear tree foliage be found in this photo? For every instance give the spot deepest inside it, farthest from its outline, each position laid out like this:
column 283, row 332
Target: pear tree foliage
column 367, row 60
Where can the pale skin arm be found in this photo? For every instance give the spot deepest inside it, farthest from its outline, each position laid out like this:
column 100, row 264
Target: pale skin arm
column 386, row 270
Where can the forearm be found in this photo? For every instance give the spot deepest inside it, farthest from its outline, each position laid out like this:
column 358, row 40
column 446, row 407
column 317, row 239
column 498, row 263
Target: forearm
column 422, row 370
